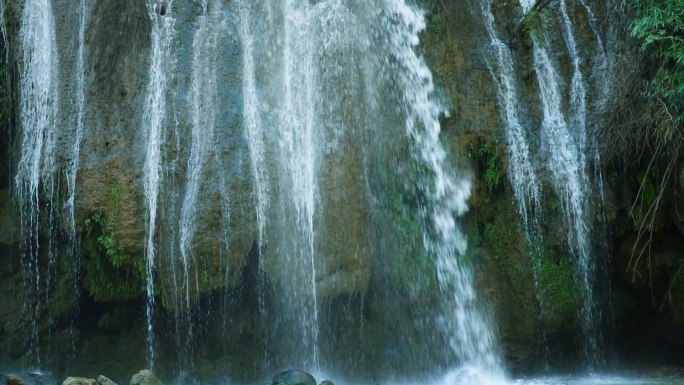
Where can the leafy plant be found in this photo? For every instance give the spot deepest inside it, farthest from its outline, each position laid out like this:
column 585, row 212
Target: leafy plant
column 110, row 272
column 493, row 171
column 659, row 25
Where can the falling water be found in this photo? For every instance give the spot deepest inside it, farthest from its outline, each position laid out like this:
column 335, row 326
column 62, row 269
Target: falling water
column 566, row 145
column 526, row 185
column 80, row 101
column 203, row 112
column 292, row 103
column 38, row 109
column 252, row 120
column 469, row 334
column 586, row 265
column 298, row 150
column 255, row 138
column 154, row 114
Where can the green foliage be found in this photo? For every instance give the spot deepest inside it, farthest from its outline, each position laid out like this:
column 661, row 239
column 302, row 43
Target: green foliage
column 436, row 27
column 647, row 189
column 492, row 168
column 659, row 26
column 553, row 204
column 110, row 273
column 530, row 21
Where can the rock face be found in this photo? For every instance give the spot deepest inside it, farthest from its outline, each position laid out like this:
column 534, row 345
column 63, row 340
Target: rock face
column 145, row 377
column 79, row 381
column 102, row 380
column 293, row 377
column 15, row 380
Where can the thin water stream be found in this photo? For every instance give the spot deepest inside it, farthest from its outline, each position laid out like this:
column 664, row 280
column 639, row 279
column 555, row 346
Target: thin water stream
column 154, row 115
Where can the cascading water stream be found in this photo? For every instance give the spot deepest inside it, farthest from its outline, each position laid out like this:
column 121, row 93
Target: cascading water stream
column 566, row 145
column 80, row 101
column 526, row 185
column 469, row 334
column 203, row 113
column 586, row 270
column 252, row 120
column 298, row 143
column 154, row 114
column 37, row 167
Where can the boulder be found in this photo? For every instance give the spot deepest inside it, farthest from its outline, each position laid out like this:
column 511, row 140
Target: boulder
column 326, row 382
column 79, row 381
column 102, row 380
column 294, row 377
column 145, row 377
column 15, row 380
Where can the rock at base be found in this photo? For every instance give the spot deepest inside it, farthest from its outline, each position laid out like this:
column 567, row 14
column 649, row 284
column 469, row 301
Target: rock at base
column 293, row 377
column 326, row 382
column 15, row 380
column 145, row 377
column 102, row 380
column 79, row 381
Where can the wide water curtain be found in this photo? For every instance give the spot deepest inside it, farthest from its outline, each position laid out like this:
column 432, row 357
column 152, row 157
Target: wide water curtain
column 319, row 81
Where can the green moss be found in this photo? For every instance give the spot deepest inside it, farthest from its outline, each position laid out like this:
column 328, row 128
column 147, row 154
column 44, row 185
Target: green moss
column 436, row 27
column 111, row 274
column 64, row 302
column 403, row 202
column 530, row 21
column 115, row 194
column 502, row 236
column 4, row 197
column 560, row 293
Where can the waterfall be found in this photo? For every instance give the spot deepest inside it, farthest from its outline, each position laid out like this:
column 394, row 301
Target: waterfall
column 586, row 265
column 297, row 152
column 154, row 115
column 255, row 138
column 252, row 120
column 526, row 185
column 203, row 113
column 80, row 101
column 294, row 86
column 37, row 166
column 468, row 330
column 564, row 140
